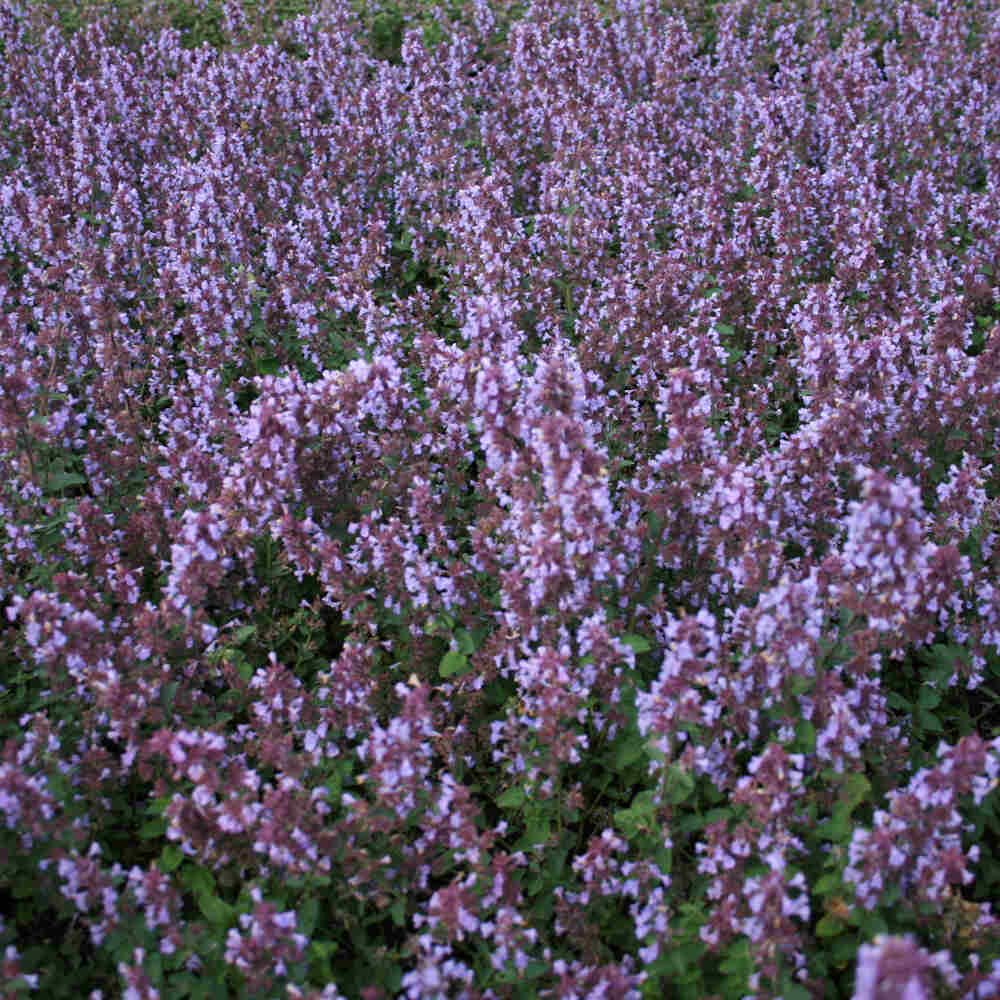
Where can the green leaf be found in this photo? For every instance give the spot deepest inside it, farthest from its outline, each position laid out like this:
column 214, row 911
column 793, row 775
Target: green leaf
column 929, row 697
column 930, row 723
column 799, row 685
column 829, row 926
column 828, row 884
column 152, row 829
column 467, row 644
column 197, row 879
column 58, row 785
column 871, row 924
column 153, row 964
column 61, row 480
column 244, row 632
column 442, row 623
column 854, row 790
column 843, row 950
column 398, row 913
column 210, row 988
column 323, row 949
column 167, row 694
column 537, row 832
column 690, row 822
column 839, row 828
column 24, row 887
column 737, row 962
column 680, row 784
column 945, row 658
column 170, row 858
column 216, row 911
column 638, row 643
column 453, row 663
column 794, row 991
column 654, row 752
column 307, row 915
column 805, row 736
column 639, row 817
column 628, row 752
column 513, row 798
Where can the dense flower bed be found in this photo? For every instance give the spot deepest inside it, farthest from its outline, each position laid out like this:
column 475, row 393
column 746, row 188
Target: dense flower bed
column 502, row 506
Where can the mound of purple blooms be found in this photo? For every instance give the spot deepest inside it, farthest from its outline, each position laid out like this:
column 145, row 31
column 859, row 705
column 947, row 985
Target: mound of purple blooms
column 462, row 515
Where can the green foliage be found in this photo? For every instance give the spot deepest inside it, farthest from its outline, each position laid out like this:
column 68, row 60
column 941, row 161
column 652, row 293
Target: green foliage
column 386, row 36
column 130, row 21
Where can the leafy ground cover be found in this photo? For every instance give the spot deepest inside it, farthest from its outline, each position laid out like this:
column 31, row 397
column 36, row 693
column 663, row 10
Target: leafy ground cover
column 499, row 500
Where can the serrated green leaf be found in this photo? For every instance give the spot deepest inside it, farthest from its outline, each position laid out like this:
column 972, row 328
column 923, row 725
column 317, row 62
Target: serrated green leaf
column 535, row 970
column 637, row 643
column 799, row 685
column 737, row 961
column 794, row 991
column 854, row 790
column 930, row 723
column 244, row 632
column 170, row 858
column 335, row 789
column 805, row 736
column 167, row 694
column 24, row 887
column 827, row 884
column 323, row 949
column 829, row 926
column 197, row 879
column 513, row 798
column 637, row 817
column 680, row 784
column 453, row 663
column 628, row 752
column 537, row 832
column 929, row 697
column 58, row 785
column 945, row 657
column 307, row 915
column 839, row 828
column 152, row 829
column 654, row 752
column 690, row 822
column 442, row 623
column 466, row 643
column 62, row 480
column 216, row 911
column 871, row 923
column 843, row 950
column 152, row 963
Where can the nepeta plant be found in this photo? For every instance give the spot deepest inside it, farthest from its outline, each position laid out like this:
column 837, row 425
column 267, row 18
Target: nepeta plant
column 499, row 500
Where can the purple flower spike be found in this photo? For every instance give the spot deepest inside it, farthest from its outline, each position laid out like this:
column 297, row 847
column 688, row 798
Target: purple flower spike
column 897, row 968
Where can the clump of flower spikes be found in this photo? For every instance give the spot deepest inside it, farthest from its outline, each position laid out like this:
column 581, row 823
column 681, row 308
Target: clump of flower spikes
column 715, row 288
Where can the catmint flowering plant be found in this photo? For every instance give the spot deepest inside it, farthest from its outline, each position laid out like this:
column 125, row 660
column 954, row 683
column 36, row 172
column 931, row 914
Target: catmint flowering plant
column 499, row 500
